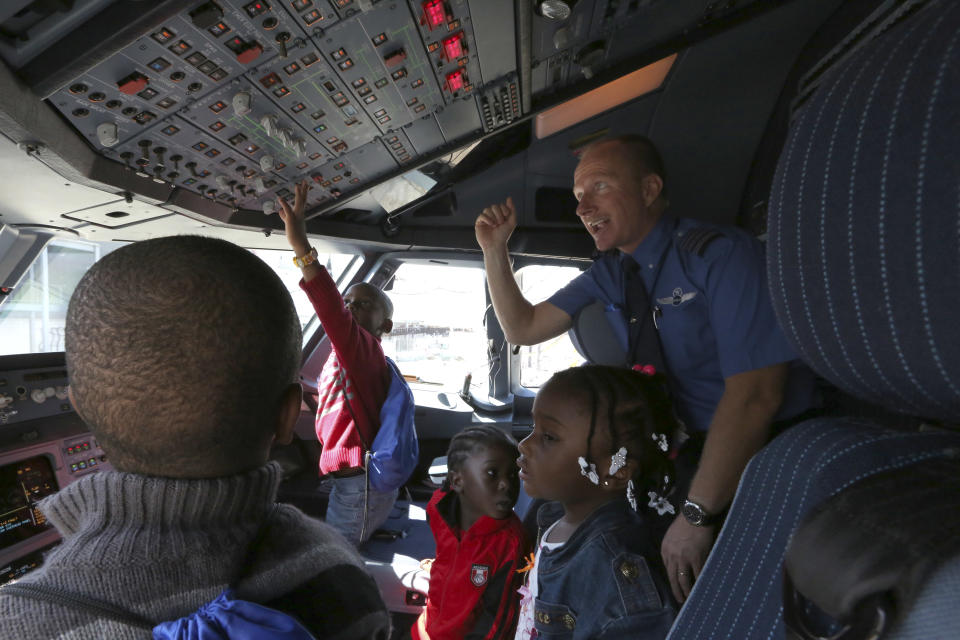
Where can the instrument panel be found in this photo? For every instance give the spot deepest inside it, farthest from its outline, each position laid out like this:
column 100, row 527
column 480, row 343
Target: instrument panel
column 44, row 446
column 238, row 100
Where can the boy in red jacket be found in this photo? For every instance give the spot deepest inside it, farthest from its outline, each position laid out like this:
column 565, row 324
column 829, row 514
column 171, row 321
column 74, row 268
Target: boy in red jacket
column 353, row 383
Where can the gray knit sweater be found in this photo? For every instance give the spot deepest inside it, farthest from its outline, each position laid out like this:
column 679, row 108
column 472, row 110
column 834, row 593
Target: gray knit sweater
column 162, row 547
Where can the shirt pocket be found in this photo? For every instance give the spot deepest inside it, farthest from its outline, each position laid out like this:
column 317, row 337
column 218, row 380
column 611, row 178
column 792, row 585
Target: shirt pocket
column 636, row 584
column 554, row 621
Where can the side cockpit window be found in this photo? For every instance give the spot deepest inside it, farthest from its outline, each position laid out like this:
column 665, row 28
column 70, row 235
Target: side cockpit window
column 540, row 361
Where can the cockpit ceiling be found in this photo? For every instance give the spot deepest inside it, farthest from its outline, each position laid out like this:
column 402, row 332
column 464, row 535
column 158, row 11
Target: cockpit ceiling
column 214, row 109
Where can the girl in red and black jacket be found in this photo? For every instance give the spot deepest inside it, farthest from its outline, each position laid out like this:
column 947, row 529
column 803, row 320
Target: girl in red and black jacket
column 480, row 541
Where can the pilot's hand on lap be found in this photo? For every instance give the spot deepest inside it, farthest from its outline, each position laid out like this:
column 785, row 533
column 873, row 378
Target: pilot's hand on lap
column 293, row 219
column 685, row 549
column 495, row 224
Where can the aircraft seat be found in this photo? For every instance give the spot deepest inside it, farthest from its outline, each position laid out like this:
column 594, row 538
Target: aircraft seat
column 863, row 265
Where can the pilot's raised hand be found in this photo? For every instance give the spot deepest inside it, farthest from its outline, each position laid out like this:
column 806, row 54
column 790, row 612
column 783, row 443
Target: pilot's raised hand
column 293, row 219
column 495, row 224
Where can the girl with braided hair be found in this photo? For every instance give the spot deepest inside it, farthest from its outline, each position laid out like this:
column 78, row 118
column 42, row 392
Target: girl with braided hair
column 480, row 541
column 599, row 450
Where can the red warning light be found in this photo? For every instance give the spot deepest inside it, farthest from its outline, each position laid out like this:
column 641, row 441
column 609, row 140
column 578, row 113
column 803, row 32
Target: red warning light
column 453, row 46
column 435, row 13
column 456, row 81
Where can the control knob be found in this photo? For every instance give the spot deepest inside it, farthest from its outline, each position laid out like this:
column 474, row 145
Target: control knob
column 38, row 396
column 266, row 163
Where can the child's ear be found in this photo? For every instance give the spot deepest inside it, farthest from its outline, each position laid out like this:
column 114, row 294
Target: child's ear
column 455, row 478
column 386, row 327
column 618, row 481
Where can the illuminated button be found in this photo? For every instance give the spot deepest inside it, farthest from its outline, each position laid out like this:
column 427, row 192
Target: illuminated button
column 159, row 64
column 69, row 451
column 453, row 46
column 254, row 9
column 163, row 36
column 312, row 16
column 379, row 40
column 74, row 467
column 92, row 462
column 339, row 54
column 434, row 13
column 456, row 81
column 180, row 47
column 219, row 29
column 82, row 465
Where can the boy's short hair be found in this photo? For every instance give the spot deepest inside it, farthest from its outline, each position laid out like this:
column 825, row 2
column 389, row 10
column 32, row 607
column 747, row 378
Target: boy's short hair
column 179, row 351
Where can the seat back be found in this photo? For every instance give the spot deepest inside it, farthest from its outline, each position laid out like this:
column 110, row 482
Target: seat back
column 864, row 243
column 594, row 339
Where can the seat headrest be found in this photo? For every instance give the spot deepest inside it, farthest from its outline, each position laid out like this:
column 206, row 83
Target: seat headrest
column 864, row 224
column 594, row 338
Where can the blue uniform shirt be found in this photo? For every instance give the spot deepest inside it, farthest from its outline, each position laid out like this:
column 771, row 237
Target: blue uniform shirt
column 715, row 318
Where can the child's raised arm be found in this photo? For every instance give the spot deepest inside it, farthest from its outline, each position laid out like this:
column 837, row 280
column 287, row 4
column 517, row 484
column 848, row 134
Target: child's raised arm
column 296, row 228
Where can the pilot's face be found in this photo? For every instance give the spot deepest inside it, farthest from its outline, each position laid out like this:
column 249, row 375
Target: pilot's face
column 612, row 206
column 487, row 483
column 363, row 301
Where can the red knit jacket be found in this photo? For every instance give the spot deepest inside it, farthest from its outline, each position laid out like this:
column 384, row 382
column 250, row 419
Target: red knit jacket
column 474, row 579
column 358, row 353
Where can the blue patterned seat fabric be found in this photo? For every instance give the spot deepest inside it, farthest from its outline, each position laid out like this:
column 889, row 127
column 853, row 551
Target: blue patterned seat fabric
column 864, row 270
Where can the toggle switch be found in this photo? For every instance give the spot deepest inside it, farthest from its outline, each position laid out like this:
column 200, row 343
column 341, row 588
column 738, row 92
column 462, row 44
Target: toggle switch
column 108, row 134
column 192, row 167
column 175, row 159
column 269, row 124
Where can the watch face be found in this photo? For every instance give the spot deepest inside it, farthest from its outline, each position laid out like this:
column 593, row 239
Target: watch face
column 694, row 514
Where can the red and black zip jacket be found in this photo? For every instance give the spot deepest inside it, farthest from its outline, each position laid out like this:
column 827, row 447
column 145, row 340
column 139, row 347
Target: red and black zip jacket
column 474, row 580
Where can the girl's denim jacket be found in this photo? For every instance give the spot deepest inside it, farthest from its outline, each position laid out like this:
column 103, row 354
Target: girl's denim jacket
column 606, row 581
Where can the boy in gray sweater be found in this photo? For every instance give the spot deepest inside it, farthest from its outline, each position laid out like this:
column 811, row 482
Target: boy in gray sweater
column 183, row 355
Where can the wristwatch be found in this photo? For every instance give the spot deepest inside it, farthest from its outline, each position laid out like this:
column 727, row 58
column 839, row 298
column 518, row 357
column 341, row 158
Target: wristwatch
column 697, row 515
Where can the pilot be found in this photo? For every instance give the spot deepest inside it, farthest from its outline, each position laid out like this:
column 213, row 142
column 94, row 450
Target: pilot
column 684, row 297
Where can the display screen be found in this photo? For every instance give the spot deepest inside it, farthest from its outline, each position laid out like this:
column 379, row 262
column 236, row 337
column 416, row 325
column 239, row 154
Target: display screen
column 22, row 485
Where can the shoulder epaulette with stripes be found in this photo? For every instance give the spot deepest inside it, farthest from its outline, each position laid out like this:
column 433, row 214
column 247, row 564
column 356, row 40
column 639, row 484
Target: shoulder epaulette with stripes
column 697, row 240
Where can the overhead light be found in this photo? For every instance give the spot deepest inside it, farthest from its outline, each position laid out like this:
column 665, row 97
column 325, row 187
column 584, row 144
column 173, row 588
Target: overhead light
column 555, row 9
column 603, row 98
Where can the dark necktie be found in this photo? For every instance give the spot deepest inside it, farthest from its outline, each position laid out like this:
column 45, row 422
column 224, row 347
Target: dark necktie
column 644, row 339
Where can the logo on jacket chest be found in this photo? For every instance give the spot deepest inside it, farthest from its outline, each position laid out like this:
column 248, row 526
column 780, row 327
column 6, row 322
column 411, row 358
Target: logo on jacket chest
column 479, row 573
column 678, row 297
